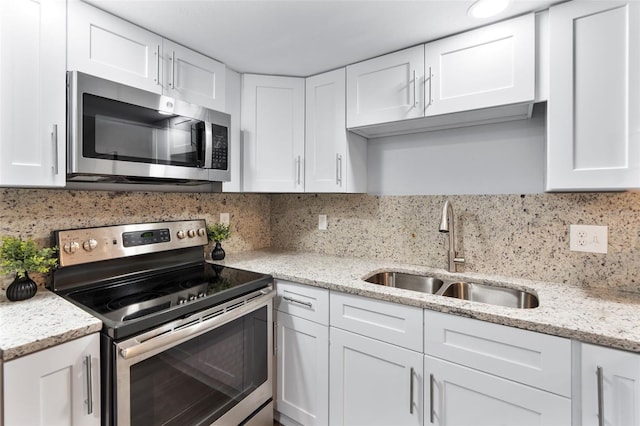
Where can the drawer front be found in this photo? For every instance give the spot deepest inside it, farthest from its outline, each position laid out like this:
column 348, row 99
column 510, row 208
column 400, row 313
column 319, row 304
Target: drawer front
column 303, row 301
column 527, row 357
column 390, row 322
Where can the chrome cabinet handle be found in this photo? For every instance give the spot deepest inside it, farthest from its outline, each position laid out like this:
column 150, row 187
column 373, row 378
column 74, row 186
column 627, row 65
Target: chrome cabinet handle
column 411, row 390
column 157, row 64
column 173, row 69
column 87, row 366
column 338, row 169
column 298, row 170
column 600, row 373
column 300, row 302
column 415, row 90
column 429, row 101
column 431, row 380
column 54, row 141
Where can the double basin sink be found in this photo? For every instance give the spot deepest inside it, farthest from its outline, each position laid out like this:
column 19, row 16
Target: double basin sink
column 483, row 293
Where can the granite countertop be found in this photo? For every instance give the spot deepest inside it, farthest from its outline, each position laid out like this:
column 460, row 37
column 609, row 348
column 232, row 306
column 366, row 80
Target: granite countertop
column 591, row 315
column 43, row 321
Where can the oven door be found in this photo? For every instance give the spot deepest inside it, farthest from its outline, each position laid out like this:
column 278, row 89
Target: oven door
column 214, row 367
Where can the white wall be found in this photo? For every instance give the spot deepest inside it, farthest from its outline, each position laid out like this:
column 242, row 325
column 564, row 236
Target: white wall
column 504, row 158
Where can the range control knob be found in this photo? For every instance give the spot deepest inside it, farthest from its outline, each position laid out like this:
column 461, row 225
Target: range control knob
column 181, row 234
column 191, row 233
column 192, row 297
column 202, row 232
column 71, row 247
column 90, row 244
column 181, row 300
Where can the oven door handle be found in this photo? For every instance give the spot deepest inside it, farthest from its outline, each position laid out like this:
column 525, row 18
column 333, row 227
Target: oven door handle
column 195, row 327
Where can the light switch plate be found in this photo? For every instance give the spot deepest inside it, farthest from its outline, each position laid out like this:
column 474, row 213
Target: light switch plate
column 322, row 222
column 588, row 238
column 224, row 218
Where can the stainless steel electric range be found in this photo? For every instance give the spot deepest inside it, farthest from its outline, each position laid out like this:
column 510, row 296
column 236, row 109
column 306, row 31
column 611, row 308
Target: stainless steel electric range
column 184, row 342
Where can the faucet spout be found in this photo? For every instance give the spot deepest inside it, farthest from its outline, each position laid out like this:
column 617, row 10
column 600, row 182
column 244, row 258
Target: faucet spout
column 447, row 227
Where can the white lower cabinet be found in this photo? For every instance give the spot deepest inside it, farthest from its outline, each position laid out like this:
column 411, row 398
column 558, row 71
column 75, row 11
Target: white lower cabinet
column 302, row 370
column 489, row 374
column 302, row 355
column 56, row 386
column 457, row 395
column 610, row 388
column 373, row 382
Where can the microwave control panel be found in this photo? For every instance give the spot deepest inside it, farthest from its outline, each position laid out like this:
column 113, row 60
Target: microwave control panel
column 220, row 152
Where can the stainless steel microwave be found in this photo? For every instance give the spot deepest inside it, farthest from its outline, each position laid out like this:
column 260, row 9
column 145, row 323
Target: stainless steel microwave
column 118, row 133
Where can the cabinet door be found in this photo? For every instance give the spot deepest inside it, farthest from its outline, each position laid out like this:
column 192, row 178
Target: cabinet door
column 325, row 132
column 193, row 77
column 273, row 133
column 109, row 47
column 59, row 385
column 387, row 88
column 372, row 382
column 336, row 160
column 32, row 83
column 611, row 377
column 456, row 395
column 487, row 67
column 302, row 370
column 593, row 114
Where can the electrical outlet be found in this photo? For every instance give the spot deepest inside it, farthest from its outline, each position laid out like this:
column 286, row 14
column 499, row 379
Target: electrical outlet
column 322, row 222
column 588, row 238
column 224, row 218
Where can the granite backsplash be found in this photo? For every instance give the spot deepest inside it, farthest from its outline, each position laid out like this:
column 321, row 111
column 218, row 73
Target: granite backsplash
column 523, row 236
column 34, row 213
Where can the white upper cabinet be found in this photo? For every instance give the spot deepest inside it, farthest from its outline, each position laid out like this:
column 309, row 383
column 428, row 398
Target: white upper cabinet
column 336, row 161
column 191, row 76
column 32, row 83
column 487, row 67
column 484, row 76
column 610, row 393
column 273, row 133
column 593, row 113
column 106, row 46
column 387, row 88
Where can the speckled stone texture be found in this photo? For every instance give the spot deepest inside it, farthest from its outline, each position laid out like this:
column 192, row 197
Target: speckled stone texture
column 525, row 236
column 591, row 315
column 35, row 213
column 43, row 321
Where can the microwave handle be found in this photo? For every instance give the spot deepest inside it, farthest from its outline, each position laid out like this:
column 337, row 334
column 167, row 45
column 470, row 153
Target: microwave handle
column 208, row 144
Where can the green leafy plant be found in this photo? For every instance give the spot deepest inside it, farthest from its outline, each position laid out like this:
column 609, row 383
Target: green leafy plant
column 218, row 232
column 22, row 256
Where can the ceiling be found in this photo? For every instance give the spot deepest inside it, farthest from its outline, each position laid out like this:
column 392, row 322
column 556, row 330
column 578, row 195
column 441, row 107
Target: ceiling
column 302, row 37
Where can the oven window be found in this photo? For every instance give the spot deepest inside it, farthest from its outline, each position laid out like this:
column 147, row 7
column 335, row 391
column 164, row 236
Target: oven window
column 116, row 130
column 198, row 381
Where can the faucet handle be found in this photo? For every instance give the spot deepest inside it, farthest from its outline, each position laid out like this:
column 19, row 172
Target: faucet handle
column 458, row 260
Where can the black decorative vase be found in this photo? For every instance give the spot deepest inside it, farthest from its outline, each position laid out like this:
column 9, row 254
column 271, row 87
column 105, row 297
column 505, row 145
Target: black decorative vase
column 218, row 252
column 21, row 288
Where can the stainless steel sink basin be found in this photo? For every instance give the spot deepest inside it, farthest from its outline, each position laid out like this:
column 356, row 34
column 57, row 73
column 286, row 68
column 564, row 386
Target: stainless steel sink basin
column 508, row 297
column 413, row 282
column 483, row 293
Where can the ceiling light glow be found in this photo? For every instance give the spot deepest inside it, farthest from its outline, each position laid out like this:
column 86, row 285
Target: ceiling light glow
column 487, row 8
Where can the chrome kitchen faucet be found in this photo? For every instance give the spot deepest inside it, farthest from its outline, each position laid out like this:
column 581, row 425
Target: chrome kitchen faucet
column 447, row 226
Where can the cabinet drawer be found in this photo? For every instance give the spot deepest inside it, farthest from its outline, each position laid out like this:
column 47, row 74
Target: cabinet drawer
column 303, row 301
column 535, row 359
column 390, row 322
